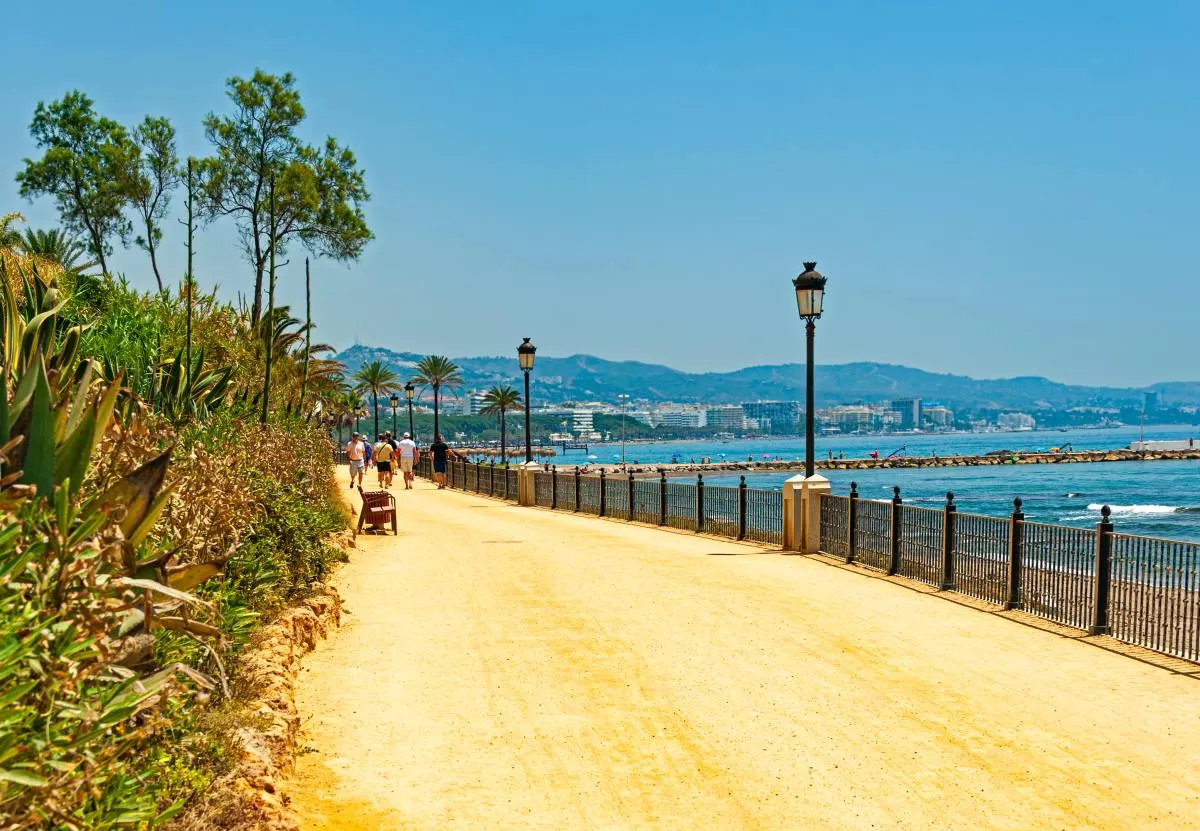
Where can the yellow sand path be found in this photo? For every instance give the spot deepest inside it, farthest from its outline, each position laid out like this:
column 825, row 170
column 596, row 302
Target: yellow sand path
column 505, row 667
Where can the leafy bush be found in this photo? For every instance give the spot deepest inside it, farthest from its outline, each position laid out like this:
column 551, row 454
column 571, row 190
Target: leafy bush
column 115, row 643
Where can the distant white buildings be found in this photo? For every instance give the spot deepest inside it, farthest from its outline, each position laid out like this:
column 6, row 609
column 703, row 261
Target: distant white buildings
column 582, row 422
column 472, row 403
column 937, row 416
column 688, row 419
column 1015, row 421
column 732, row 417
column 849, row 418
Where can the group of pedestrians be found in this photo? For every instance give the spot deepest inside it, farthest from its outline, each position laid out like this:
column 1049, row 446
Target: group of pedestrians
column 387, row 454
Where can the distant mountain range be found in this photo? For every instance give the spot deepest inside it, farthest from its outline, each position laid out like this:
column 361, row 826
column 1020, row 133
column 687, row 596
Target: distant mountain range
column 588, row 378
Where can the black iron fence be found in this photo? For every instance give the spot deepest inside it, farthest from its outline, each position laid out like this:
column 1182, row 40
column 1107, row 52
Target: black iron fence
column 1141, row 590
column 734, row 512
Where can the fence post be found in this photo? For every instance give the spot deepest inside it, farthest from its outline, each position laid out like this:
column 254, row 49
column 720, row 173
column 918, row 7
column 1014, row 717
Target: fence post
column 852, row 521
column 1104, row 532
column 662, row 496
column 602, row 494
column 505, row 470
column 553, row 487
column 576, row 508
column 894, row 562
column 948, row 543
column 629, row 516
column 1013, row 601
column 699, row 502
column 741, row 534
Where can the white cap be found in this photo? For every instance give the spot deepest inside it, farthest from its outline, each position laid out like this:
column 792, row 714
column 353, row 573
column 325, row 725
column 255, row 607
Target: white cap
column 407, row 436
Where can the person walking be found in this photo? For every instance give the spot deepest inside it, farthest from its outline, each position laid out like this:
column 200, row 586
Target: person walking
column 407, row 454
column 356, row 453
column 383, row 461
column 441, row 452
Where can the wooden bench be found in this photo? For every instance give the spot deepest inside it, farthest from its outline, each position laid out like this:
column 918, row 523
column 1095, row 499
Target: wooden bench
column 378, row 508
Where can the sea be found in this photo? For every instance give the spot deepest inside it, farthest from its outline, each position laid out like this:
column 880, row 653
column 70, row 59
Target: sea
column 1155, row 498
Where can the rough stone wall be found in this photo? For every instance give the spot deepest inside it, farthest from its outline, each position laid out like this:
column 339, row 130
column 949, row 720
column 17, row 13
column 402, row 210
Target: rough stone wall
column 248, row 797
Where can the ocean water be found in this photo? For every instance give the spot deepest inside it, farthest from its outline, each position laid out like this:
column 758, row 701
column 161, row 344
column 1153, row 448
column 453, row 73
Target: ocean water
column 1158, row 498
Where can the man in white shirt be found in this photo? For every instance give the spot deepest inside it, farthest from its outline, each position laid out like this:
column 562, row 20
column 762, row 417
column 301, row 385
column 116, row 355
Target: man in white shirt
column 407, row 452
column 356, row 453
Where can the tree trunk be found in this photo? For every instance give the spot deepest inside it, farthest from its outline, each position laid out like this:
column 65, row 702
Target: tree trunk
column 375, row 404
column 268, row 335
column 256, row 308
column 435, row 412
column 503, row 438
column 191, row 230
column 154, row 259
column 307, row 331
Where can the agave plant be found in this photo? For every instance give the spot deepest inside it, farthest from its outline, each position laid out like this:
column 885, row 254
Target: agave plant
column 184, row 393
column 57, row 414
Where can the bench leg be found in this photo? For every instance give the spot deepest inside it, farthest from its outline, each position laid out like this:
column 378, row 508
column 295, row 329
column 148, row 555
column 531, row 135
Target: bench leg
column 361, row 518
column 394, row 532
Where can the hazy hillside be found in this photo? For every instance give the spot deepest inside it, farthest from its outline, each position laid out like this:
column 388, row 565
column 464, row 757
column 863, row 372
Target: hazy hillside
column 588, row 378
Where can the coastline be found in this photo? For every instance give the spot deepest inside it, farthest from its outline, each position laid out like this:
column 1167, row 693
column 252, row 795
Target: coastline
column 787, row 466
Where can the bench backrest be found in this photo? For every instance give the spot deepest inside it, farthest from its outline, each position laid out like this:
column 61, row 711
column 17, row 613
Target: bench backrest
column 375, row 499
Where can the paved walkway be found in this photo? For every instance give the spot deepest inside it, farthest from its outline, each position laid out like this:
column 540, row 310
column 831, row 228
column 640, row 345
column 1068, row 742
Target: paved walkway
column 506, row 667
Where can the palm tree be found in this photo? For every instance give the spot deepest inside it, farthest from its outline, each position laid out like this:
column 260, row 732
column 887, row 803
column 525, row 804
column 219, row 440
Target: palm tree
column 10, row 237
column 378, row 379
column 58, row 247
column 497, row 401
column 437, row 371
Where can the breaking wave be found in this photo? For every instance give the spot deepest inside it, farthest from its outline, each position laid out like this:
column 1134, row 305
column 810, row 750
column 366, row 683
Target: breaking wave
column 1143, row 510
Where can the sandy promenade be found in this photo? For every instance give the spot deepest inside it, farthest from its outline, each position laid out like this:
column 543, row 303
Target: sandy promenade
column 512, row 668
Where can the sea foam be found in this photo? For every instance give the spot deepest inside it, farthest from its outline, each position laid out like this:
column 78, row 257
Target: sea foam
column 1133, row 510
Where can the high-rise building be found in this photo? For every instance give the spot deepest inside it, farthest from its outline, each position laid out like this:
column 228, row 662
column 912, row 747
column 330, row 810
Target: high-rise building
column 472, row 403
column 1149, row 402
column 688, row 419
column 910, row 413
column 937, row 416
column 582, row 422
column 726, row 418
column 780, row 417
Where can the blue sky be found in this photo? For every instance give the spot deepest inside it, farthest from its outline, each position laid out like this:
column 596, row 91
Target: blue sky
column 994, row 189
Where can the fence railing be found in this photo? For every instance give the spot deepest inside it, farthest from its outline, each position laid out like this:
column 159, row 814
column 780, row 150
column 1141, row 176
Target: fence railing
column 1141, row 590
column 734, row 512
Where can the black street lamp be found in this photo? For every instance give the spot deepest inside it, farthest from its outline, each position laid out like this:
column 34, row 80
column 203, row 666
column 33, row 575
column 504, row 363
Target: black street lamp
column 525, row 354
column 395, row 404
column 810, row 296
column 408, row 393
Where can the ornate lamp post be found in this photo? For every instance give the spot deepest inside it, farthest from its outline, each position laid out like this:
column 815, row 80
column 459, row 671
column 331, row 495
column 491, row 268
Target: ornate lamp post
column 408, row 394
column 395, row 404
column 810, row 296
column 525, row 354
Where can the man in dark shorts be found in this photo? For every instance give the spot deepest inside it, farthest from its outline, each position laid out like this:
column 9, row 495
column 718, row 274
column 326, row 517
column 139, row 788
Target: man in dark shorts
column 383, row 461
column 441, row 452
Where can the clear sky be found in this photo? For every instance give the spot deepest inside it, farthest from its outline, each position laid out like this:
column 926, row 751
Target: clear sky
column 993, row 188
